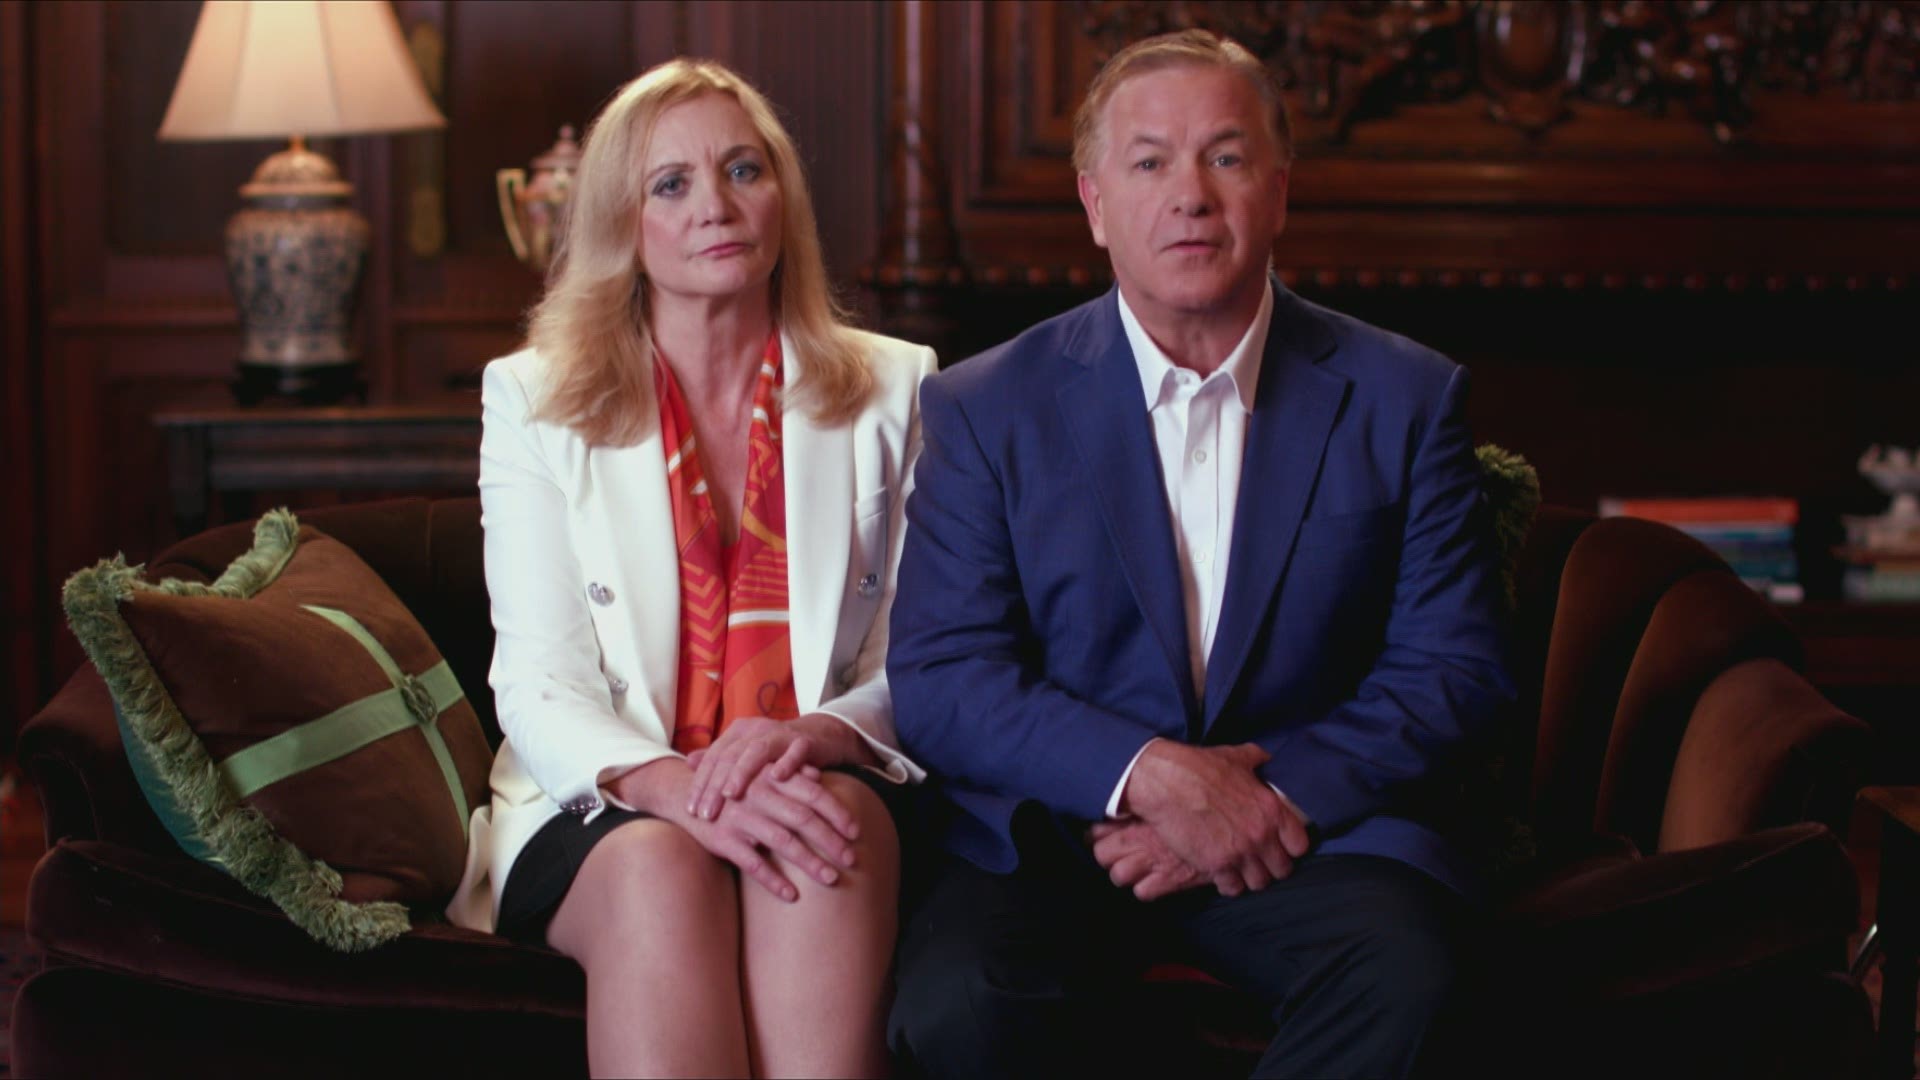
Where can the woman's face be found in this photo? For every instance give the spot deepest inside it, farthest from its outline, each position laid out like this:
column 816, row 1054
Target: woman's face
column 710, row 219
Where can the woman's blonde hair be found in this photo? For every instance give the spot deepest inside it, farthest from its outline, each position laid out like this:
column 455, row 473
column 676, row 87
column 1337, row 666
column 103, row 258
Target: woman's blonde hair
column 592, row 324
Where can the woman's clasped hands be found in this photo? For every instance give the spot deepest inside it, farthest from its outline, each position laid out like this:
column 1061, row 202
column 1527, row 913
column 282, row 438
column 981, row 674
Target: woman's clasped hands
column 759, row 789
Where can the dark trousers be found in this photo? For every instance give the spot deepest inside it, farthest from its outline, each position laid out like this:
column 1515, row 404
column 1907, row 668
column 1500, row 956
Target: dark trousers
column 1032, row 973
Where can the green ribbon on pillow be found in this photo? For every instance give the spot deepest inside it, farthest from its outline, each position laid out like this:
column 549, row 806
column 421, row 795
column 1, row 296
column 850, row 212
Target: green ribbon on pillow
column 414, row 701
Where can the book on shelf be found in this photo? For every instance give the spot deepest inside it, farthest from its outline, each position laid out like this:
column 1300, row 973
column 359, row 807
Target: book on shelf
column 1886, row 558
column 1880, row 584
column 1879, row 575
column 1753, row 534
column 1720, row 511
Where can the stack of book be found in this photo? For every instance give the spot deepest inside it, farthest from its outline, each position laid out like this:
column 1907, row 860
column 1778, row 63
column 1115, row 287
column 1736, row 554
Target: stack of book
column 1881, row 559
column 1753, row 534
column 1880, row 577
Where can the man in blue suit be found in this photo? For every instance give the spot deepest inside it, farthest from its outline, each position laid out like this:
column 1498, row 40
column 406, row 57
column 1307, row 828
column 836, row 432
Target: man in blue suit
column 1197, row 605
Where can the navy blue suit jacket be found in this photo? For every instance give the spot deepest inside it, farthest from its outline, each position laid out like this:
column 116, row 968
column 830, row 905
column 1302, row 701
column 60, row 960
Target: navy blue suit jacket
column 1039, row 638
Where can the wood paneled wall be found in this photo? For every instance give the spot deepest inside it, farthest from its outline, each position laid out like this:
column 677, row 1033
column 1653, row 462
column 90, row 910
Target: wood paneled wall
column 116, row 303
column 1678, row 244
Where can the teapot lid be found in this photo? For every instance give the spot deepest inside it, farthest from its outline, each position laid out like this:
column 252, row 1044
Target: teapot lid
column 564, row 154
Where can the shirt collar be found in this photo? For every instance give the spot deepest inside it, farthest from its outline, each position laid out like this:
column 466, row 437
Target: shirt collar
column 1242, row 366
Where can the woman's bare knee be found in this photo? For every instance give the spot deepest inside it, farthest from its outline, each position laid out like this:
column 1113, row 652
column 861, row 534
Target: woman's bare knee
column 878, row 838
column 643, row 876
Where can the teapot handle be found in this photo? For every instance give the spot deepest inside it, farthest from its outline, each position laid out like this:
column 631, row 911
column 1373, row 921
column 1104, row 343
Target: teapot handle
column 509, row 183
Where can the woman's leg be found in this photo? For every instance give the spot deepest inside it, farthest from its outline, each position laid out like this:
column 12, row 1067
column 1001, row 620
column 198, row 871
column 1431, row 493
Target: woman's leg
column 816, row 971
column 655, row 921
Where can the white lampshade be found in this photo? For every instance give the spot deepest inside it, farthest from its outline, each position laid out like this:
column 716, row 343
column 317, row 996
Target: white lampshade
column 274, row 68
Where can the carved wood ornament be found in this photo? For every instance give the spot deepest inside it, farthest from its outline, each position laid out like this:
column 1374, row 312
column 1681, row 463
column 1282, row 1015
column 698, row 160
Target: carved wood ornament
column 1351, row 60
column 1636, row 144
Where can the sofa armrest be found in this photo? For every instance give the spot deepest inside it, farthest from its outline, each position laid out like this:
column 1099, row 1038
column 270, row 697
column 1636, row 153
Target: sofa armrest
column 173, row 920
column 1762, row 749
column 1636, row 926
column 71, row 752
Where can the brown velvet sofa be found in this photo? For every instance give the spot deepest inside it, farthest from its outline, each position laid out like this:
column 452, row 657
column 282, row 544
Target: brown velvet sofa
column 1685, row 909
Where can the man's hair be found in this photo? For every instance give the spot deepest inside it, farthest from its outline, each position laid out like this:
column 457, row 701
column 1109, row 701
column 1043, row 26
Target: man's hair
column 1184, row 48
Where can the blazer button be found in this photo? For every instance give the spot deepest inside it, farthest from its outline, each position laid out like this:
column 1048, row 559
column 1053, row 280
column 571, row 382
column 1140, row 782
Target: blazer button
column 869, row 584
column 617, row 684
column 599, row 594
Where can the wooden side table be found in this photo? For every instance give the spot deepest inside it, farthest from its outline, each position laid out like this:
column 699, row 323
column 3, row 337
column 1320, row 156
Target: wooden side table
column 1897, row 925
column 226, row 453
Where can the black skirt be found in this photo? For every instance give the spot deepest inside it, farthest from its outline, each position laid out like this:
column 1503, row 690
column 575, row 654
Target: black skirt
column 545, row 868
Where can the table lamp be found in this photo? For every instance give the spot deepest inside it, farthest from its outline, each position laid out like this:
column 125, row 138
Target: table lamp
column 295, row 250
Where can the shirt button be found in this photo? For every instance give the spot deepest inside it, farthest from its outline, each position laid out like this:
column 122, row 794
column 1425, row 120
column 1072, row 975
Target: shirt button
column 599, row 594
column 1200, row 456
column 617, row 684
column 869, row 584
column 1203, row 557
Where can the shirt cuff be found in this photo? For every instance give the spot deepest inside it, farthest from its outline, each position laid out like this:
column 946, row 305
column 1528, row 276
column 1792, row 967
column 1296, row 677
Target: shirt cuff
column 895, row 767
column 1297, row 812
column 602, row 782
column 1119, row 789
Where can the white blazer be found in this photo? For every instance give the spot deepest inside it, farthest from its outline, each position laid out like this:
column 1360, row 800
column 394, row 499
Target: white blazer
column 584, row 578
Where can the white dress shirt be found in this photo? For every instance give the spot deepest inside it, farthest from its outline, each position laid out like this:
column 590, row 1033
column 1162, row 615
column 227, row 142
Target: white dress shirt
column 1200, row 432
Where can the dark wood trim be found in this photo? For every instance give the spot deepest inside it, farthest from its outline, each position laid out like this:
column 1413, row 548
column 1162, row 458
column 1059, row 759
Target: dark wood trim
column 217, row 453
column 23, row 595
column 114, row 319
column 69, row 105
column 449, row 315
column 373, row 162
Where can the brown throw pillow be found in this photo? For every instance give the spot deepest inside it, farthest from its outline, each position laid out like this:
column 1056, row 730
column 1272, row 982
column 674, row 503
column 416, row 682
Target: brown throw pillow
column 292, row 724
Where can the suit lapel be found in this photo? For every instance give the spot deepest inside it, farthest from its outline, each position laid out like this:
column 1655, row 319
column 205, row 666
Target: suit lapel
column 817, row 471
column 1295, row 405
column 1105, row 412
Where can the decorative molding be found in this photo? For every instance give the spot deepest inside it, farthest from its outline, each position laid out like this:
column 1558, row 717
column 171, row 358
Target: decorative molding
column 1346, row 62
column 917, row 238
column 1505, row 144
column 1005, row 275
column 918, row 264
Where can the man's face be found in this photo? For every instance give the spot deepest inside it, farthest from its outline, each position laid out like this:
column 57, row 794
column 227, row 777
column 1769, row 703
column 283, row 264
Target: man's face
column 1187, row 192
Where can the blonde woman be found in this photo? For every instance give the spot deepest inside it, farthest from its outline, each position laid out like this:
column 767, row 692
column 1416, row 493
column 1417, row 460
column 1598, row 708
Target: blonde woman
column 692, row 487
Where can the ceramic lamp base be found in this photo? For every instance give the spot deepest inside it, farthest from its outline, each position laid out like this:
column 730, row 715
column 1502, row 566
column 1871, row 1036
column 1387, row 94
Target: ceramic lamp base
column 295, row 253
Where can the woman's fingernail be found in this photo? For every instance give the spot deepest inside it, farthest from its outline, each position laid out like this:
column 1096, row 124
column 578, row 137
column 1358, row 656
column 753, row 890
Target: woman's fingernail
column 828, row 876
